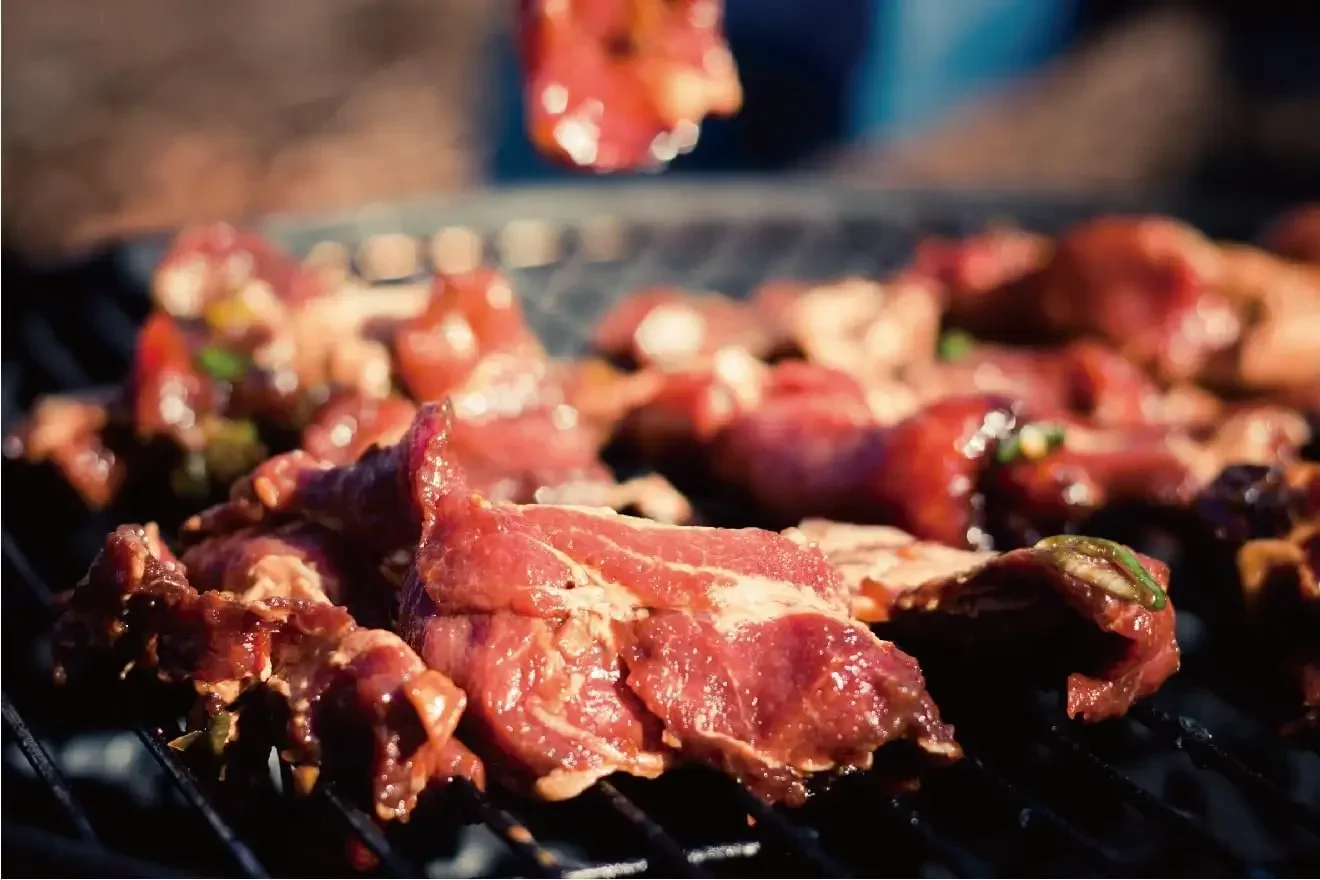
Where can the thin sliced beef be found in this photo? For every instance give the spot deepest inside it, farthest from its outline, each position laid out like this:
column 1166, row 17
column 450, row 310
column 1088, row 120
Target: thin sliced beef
column 900, row 581
column 591, row 642
column 336, row 679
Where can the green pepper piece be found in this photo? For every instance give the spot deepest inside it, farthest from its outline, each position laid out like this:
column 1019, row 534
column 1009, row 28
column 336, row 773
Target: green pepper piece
column 1106, row 565
column 221, row 364
column 1032, row 441
column 955, row 345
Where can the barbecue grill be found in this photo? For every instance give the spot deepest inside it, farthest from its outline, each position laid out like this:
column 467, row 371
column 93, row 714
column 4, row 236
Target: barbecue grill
column 1195, row 780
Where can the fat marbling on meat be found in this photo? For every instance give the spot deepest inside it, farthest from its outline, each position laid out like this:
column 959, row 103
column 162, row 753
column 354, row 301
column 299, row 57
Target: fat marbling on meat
column 898, row 580
column 590, row 642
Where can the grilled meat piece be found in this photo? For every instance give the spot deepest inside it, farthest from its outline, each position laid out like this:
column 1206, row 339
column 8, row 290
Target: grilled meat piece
column 591, row 642
column 618, row 86
column 986, row 279
column 1272, row 516
column 336, row 678
column 669, row 328
column 801, row 441
column 898, row 580
column 72, row 433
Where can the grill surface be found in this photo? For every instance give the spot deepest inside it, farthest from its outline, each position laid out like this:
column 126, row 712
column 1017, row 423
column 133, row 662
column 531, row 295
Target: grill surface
column 1194, row 781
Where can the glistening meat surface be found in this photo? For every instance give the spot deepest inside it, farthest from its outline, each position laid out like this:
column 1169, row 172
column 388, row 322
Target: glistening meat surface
column 591, row 642
column 896, row 579
column 334, row 677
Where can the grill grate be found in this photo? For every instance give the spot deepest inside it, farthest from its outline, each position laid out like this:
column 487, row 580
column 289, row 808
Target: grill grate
column 1036, row 794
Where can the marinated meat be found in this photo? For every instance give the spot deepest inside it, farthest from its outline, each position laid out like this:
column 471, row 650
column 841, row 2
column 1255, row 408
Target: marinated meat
column 1272, row 516
column 617, row 86
column 336, row 678
column 349, row 424
column 540, row 455
column 1090, row 469
column 800, row 440
column 866, row 328
column 209, row 264
column 671, row 329
column 1081, row 379
column 600, row 610
column 591, row 642
column 898, row 580
column 70, row 431
column 985, row 278
column 1183, row 305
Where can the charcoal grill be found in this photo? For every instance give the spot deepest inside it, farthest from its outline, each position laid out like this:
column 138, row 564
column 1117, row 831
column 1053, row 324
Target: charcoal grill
column 1193, row 781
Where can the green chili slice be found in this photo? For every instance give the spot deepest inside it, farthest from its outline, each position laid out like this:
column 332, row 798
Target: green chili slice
column 1106, row 565
column 221, row 363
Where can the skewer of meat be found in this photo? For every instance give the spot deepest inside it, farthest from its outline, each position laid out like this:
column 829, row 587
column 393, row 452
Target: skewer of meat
column 905, row 583
column 629, row 644
column 334, row 678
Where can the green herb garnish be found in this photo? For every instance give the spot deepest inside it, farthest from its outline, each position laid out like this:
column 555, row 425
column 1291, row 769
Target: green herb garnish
column 222, row 364
column 1107, row 566
column 955, row 345
column 1033, row 441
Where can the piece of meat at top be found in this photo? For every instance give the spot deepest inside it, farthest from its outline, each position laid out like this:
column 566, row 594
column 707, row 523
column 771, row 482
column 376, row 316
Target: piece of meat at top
column 335, row 678
column 900, row 581
column 616, row 86
column 591, row 642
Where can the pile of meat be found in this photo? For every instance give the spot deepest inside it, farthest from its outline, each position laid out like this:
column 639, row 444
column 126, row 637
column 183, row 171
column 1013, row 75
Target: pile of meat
column 436, row 574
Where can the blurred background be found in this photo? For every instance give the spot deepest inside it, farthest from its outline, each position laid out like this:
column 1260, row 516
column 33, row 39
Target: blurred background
column 130, row 115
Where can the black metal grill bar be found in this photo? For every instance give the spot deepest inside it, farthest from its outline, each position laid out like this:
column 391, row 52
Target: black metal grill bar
column 1033, row 814
column 799, row 843
column 178, row 774
column 723, row 852
column 50, row 774
column 665, row 851
column 1145, row 801
column 45, row 349
column 1199, row 744
column 44, row 854
column 955, row 856
column 370, row 833
column 539, row 860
